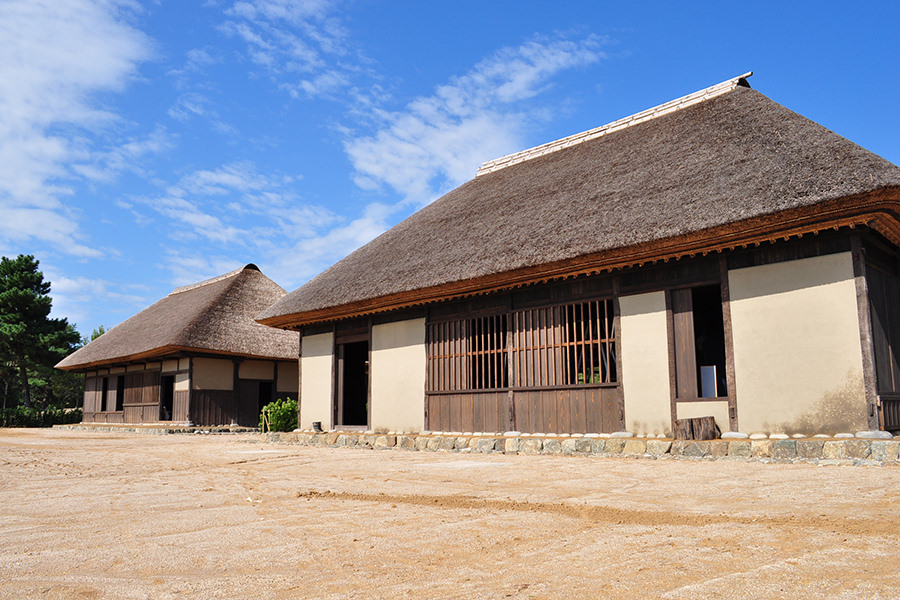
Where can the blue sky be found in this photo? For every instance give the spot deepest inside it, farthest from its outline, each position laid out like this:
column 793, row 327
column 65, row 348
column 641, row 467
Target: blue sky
column 146, row 145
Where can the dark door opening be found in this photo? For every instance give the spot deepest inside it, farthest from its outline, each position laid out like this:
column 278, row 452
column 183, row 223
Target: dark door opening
column 353, row 384
column 265, row 396
column 166, row 397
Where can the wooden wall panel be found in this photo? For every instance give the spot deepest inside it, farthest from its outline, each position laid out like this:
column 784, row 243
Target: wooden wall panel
column 483, row 411
column 180, row 405
column 574, row 410
column 211, row 407
column 133, row 412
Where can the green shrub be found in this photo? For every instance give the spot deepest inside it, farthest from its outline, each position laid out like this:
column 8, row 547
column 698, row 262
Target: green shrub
column 32, row 417
column 281, row 414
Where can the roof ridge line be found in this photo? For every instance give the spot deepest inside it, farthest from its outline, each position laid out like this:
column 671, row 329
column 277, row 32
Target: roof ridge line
column 193, row 286
column 651, row 113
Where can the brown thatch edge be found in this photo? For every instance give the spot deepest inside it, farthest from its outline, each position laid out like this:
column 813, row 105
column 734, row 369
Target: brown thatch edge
column 879, row 210
column 161, row 353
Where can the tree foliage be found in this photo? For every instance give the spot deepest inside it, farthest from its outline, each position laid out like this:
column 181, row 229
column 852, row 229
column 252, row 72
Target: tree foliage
column 30, row 341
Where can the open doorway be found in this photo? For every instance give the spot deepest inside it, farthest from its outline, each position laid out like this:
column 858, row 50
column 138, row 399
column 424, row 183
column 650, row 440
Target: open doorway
column 166, row 397
column 352, row 401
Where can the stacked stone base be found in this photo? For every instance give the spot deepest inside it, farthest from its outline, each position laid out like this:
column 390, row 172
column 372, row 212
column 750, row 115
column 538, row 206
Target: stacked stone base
column 819, row 451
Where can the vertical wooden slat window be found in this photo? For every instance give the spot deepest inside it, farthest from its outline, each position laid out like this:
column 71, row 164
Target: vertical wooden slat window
column 468, row 354
column 571, row 344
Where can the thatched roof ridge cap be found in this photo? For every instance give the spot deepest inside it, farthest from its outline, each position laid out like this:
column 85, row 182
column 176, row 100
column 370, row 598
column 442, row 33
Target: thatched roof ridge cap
column 645, row 115
column 193, row 286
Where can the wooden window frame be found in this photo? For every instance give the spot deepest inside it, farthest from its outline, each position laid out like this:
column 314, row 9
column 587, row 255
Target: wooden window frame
column 525, row 349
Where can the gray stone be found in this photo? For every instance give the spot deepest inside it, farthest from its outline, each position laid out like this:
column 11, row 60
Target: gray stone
column 385, row 441
column 785, row 449
column 678, row 447
column 598, row 445
column 568, row 446
column 822, row 435
column 875, row 435
column 552, row 446
column 462, row 443
column 635, row 447
column 758, row 436
column 762, row 448
column 583, row 446
column 841, row 436
column 434, row 443
column 447, row 443
column 810, row 449
column 473, row 442
column 511, row 445
column 532, row 446
column 407, row 442
column 487, row 445
column 833, row 450
column 857, row 448
column 622, row 434
column 615, row 445
column 799, row 436
column 718, row 448
column 885, row 450
column 422, row 442
column 697, row 449
column 734, row 435
column 346, row 440
column 739, row 448
column 779, row 436
column 658, row 447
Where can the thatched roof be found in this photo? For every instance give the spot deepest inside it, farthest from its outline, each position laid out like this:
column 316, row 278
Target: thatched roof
column 211, row 317
column 727, row 167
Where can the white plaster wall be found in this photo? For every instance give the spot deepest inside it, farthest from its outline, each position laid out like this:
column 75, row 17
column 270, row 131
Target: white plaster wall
column 256, row 369
column 645, row 363
column 717, row 409
column 213, row 374
column 398, row 376
column 317, row 377
column 288, row 377
column 797, row 353
column 169, row 365
column 182, row 382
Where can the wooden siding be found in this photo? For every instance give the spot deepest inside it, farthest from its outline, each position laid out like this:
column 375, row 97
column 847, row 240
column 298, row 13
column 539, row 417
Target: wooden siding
column 475, row 411
column 575, row 410
column 211, row 407
column 181, row 406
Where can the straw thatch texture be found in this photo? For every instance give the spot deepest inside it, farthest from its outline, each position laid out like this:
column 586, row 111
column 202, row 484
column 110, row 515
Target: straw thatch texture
column 728, row 159
column 215, row 316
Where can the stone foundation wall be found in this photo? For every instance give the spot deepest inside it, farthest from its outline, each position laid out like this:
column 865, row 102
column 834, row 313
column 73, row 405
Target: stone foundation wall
column 823, row 451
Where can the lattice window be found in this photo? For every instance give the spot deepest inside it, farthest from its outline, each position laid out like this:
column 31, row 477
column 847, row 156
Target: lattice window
column 572, row 344
column 564, row 345
column 468, row 354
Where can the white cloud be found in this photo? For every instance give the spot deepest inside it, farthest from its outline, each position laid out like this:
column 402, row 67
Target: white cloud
column 76, row 297
column 54, row 58
column 294, row 41
column 438, row 141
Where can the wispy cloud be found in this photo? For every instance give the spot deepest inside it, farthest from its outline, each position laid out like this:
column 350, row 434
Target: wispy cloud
column 55, row 57
column 294, row 42
column 76, row 297
column 436, row 142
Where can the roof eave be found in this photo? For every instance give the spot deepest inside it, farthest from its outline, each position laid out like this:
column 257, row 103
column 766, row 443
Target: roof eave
column 879, row 210
column 160, row 353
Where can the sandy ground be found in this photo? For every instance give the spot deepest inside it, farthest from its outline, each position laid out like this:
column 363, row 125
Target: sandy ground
column 100, row 515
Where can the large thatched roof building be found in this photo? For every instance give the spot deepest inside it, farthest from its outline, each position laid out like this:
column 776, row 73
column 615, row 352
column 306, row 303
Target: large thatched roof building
column 718, row 255
column 195, row 356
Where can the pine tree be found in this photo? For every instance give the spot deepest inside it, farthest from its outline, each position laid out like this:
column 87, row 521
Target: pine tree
column 29, row 339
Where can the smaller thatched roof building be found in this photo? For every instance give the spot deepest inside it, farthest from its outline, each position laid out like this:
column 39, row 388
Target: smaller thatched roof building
column 202, row 335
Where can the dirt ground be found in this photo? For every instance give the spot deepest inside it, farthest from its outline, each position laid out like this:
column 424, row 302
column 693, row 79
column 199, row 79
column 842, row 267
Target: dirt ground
column 101, row 515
